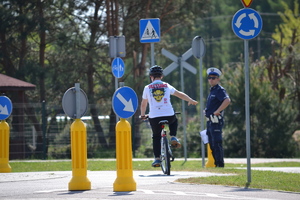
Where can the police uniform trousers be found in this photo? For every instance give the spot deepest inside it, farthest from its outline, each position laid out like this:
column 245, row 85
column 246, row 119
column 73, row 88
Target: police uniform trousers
column 214, row 133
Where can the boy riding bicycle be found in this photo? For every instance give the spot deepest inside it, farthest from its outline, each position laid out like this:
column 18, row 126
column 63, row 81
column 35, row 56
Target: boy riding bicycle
column 157, row 94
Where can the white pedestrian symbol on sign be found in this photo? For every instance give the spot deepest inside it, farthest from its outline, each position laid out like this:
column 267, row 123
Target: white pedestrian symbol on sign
column 149, row 32
column 118, row 68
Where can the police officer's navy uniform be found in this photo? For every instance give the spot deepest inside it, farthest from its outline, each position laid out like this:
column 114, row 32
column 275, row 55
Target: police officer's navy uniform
column 214, row 129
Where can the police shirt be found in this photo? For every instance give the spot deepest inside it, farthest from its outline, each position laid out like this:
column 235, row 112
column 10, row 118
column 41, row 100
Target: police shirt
column 215, row 99
column 158, row 95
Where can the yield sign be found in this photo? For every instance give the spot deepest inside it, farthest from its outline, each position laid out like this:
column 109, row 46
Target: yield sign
column 247, row 3
column 178, row 60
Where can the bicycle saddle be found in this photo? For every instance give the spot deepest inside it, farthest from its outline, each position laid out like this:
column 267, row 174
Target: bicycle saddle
column 163, row 122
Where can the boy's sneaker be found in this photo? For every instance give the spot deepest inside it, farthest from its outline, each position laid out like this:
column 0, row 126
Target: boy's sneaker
column 175, row 142
column 156, row 163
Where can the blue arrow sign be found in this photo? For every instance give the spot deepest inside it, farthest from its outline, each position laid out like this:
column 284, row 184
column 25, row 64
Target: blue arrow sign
column 5, row 107
column 246, row 23
column 118, row 67
column 124, row 102
column 149, row 30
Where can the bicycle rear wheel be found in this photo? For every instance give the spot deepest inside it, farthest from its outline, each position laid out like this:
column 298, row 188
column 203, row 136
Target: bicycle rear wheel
column 165, row 157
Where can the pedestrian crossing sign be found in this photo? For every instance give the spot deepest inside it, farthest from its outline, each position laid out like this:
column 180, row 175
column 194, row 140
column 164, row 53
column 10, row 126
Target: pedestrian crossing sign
column 149, row 30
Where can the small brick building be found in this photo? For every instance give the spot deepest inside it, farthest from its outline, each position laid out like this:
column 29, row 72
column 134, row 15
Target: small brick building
column 15, row 89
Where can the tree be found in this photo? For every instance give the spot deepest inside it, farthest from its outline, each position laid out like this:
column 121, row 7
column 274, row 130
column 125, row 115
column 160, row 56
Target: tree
column 283, row 65
column 270, row 135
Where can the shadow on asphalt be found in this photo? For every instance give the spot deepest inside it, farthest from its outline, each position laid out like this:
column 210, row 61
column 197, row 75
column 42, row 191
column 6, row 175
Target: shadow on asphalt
column 155, row 175
column 243, row 189
column 121, row 194
column 73, row 192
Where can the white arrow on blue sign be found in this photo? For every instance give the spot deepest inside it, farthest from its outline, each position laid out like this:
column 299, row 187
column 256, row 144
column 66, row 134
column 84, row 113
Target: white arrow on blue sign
column 124, row 102
column 246, row 23
column 118, row 67
column 149, row 30
column 5, row 107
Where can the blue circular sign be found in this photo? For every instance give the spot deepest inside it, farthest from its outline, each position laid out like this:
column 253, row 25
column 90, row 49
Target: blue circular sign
column 5, row 107
column 246, row 23
column 118, row 67
column 124, row 102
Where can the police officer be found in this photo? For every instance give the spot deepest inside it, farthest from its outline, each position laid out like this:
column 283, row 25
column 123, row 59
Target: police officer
column 217, row 101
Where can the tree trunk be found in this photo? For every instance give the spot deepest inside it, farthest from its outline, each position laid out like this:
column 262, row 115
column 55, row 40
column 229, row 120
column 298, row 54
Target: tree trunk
column 42, row 32
column 90, row 76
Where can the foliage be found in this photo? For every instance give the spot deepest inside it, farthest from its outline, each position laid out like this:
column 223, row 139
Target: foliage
column 54, row 44
column 270, row 135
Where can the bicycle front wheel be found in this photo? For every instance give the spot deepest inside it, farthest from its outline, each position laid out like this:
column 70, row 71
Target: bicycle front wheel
column 165, row 157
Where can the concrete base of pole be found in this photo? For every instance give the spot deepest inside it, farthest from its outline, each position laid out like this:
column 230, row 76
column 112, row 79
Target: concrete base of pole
column 124, row 181
column 79, row 183
column 122, row 184
column 5, row 168
column 4, row 147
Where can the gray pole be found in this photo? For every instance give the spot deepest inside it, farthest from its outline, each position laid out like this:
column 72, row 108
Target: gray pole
column 44, row 127
column 183, row 109
column 198, row 48
column 247, row 110
column 201, row 110
column 152, row 54
column 116, row 79
column 77, row 96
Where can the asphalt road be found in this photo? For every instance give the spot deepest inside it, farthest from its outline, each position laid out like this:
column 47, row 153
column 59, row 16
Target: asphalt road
column 149, row 185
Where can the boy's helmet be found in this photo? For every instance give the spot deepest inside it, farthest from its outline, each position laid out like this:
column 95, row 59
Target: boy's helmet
column 156, row 71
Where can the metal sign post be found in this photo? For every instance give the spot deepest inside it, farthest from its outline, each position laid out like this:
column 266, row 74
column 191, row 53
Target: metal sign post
column 247, row 24
column 125, row 103
column 181, row 62
column 74, row 103
column 5, row 111
column 198, row 48
column 117, row 49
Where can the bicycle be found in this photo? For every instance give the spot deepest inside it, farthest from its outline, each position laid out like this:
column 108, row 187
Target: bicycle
column 166, row 155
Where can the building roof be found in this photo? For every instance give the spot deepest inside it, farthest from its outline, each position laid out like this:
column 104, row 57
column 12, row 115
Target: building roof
column 10, row 83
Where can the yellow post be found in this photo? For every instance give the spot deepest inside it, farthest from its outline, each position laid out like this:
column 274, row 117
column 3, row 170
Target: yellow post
column 124, row 181
column 210, row 159
column 79, row 180
column 4, row 147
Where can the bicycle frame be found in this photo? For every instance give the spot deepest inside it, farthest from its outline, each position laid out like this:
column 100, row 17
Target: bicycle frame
column 166, row 152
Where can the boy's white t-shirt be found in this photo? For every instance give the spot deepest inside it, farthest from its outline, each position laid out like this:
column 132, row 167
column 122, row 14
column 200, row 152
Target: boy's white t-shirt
column 158, row 94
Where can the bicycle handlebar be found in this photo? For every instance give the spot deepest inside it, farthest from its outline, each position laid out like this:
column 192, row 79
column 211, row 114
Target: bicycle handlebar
column 147, row 115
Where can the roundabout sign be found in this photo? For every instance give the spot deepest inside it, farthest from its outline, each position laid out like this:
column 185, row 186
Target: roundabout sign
column 246, row 23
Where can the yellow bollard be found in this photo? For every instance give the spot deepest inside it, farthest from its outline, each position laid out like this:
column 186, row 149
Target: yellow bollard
column 124, row 181
column 79, row 180
column 210, row 159
column 4, row 147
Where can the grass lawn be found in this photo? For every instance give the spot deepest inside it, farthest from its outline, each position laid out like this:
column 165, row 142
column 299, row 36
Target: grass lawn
column 259, row 179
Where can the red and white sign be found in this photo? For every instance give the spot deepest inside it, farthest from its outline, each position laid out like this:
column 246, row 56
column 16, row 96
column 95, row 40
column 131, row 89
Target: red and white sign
column 247, row 3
